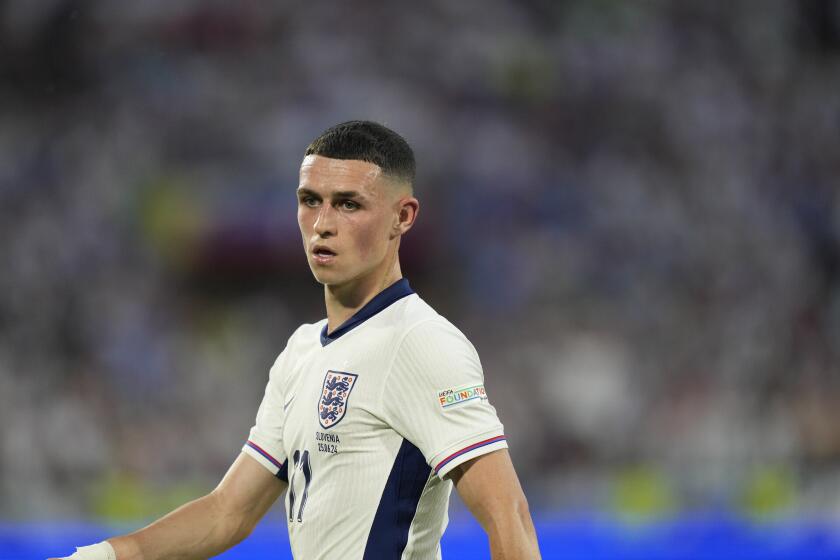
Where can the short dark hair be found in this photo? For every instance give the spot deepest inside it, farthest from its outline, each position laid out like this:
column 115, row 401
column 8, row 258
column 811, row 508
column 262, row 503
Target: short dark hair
column 367, row 141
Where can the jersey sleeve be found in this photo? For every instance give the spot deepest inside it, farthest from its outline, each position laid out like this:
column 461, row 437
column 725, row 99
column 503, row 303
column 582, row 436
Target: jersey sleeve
column 435, row 397
column 265, row 441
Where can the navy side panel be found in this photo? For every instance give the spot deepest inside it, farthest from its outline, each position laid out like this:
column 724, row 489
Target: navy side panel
column 389, row 532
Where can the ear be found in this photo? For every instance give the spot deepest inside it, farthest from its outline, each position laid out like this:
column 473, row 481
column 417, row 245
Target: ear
column 407, row 209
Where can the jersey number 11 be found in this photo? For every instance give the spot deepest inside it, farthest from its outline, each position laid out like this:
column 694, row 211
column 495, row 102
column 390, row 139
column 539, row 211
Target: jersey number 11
column 301, row 465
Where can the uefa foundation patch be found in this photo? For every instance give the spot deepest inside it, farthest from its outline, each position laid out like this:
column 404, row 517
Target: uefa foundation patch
column 450, row 398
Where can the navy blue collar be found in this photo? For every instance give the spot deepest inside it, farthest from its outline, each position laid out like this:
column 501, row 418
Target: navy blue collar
column 380, row 301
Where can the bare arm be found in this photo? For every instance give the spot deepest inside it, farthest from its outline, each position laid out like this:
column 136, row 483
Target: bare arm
column 211, row 524
column 490, row 489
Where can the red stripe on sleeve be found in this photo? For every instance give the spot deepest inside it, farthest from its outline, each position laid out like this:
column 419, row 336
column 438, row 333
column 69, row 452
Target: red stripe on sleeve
column 264, row 453
column 468, row 449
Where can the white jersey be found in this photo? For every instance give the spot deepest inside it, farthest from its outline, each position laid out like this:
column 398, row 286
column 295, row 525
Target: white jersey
column 364, row 424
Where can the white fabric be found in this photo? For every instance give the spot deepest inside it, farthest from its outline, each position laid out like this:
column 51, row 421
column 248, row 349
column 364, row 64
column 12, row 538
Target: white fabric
column 397, row 364
column 98, row 551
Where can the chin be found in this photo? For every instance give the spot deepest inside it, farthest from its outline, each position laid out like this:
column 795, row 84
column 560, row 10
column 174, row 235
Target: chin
column 334, row 278
column 328, row 277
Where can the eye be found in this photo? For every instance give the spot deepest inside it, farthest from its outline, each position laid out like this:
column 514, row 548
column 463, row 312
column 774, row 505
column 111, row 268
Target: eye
column 309, row 200
column 349, row 205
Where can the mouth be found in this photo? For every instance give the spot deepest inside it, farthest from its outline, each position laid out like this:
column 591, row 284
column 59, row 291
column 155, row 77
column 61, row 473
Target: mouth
column 322, row 255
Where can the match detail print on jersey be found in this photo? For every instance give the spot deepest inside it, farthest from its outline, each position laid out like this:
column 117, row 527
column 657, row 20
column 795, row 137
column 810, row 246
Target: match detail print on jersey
column 335, row 394
column 449, row 398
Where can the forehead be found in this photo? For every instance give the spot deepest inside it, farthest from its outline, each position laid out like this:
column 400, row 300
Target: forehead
column 321, row 173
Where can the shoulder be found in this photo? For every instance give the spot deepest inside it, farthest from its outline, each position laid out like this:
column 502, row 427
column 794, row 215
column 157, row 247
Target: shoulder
column 430, row 337
column 300, row 339
column 305, row 335
column 434, row 355
column 429, row 323
column 411, row 318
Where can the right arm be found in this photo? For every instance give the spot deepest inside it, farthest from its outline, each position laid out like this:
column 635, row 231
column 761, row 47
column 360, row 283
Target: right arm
column 211, row 524
column 224, row 517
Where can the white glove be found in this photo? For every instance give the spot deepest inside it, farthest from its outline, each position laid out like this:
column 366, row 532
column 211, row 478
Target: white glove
column 98, row 551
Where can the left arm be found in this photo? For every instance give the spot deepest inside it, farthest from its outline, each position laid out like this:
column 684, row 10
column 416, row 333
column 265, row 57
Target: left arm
column 489, row 487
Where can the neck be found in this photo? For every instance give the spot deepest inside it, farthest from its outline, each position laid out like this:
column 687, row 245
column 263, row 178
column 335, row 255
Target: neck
column 342, row 301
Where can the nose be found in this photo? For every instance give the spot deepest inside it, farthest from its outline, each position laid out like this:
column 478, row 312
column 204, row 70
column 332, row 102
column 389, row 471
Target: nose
column 325, row 221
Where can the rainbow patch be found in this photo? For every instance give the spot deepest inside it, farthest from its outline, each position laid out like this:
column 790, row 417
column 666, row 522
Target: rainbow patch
column 459, row 395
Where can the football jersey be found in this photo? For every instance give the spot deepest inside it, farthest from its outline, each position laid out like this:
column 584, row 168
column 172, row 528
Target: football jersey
column 365, row 422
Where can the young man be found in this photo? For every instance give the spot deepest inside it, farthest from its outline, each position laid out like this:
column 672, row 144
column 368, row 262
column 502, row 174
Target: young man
column 369, row 415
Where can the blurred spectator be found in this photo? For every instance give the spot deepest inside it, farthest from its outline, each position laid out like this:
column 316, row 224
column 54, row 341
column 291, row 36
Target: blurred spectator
column 631, row 209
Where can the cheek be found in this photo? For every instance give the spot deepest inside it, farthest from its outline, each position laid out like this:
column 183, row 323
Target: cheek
column 303, row 221
column 371, row 239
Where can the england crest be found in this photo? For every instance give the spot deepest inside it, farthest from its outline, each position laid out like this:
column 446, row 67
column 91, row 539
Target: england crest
column 332, row 406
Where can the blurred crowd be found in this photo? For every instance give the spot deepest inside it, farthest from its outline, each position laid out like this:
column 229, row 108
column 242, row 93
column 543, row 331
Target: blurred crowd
column 632, row 210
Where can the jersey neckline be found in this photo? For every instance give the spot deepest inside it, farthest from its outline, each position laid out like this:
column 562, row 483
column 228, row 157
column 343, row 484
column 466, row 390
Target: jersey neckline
column 380, row 301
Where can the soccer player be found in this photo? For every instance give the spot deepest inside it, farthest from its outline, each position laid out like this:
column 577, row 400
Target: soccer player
column 370, row 415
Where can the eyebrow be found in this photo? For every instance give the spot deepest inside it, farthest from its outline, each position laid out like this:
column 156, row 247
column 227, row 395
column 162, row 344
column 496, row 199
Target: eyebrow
column 336, row 194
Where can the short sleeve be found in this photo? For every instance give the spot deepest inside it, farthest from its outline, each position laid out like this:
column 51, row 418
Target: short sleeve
column 265, row 441
column 435, row 397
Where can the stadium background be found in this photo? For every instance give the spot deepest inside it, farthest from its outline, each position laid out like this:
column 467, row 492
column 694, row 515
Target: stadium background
column 630, row 208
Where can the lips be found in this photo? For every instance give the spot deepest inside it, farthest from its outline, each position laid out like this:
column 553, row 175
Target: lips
column 322, row 254
column 322, row 250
